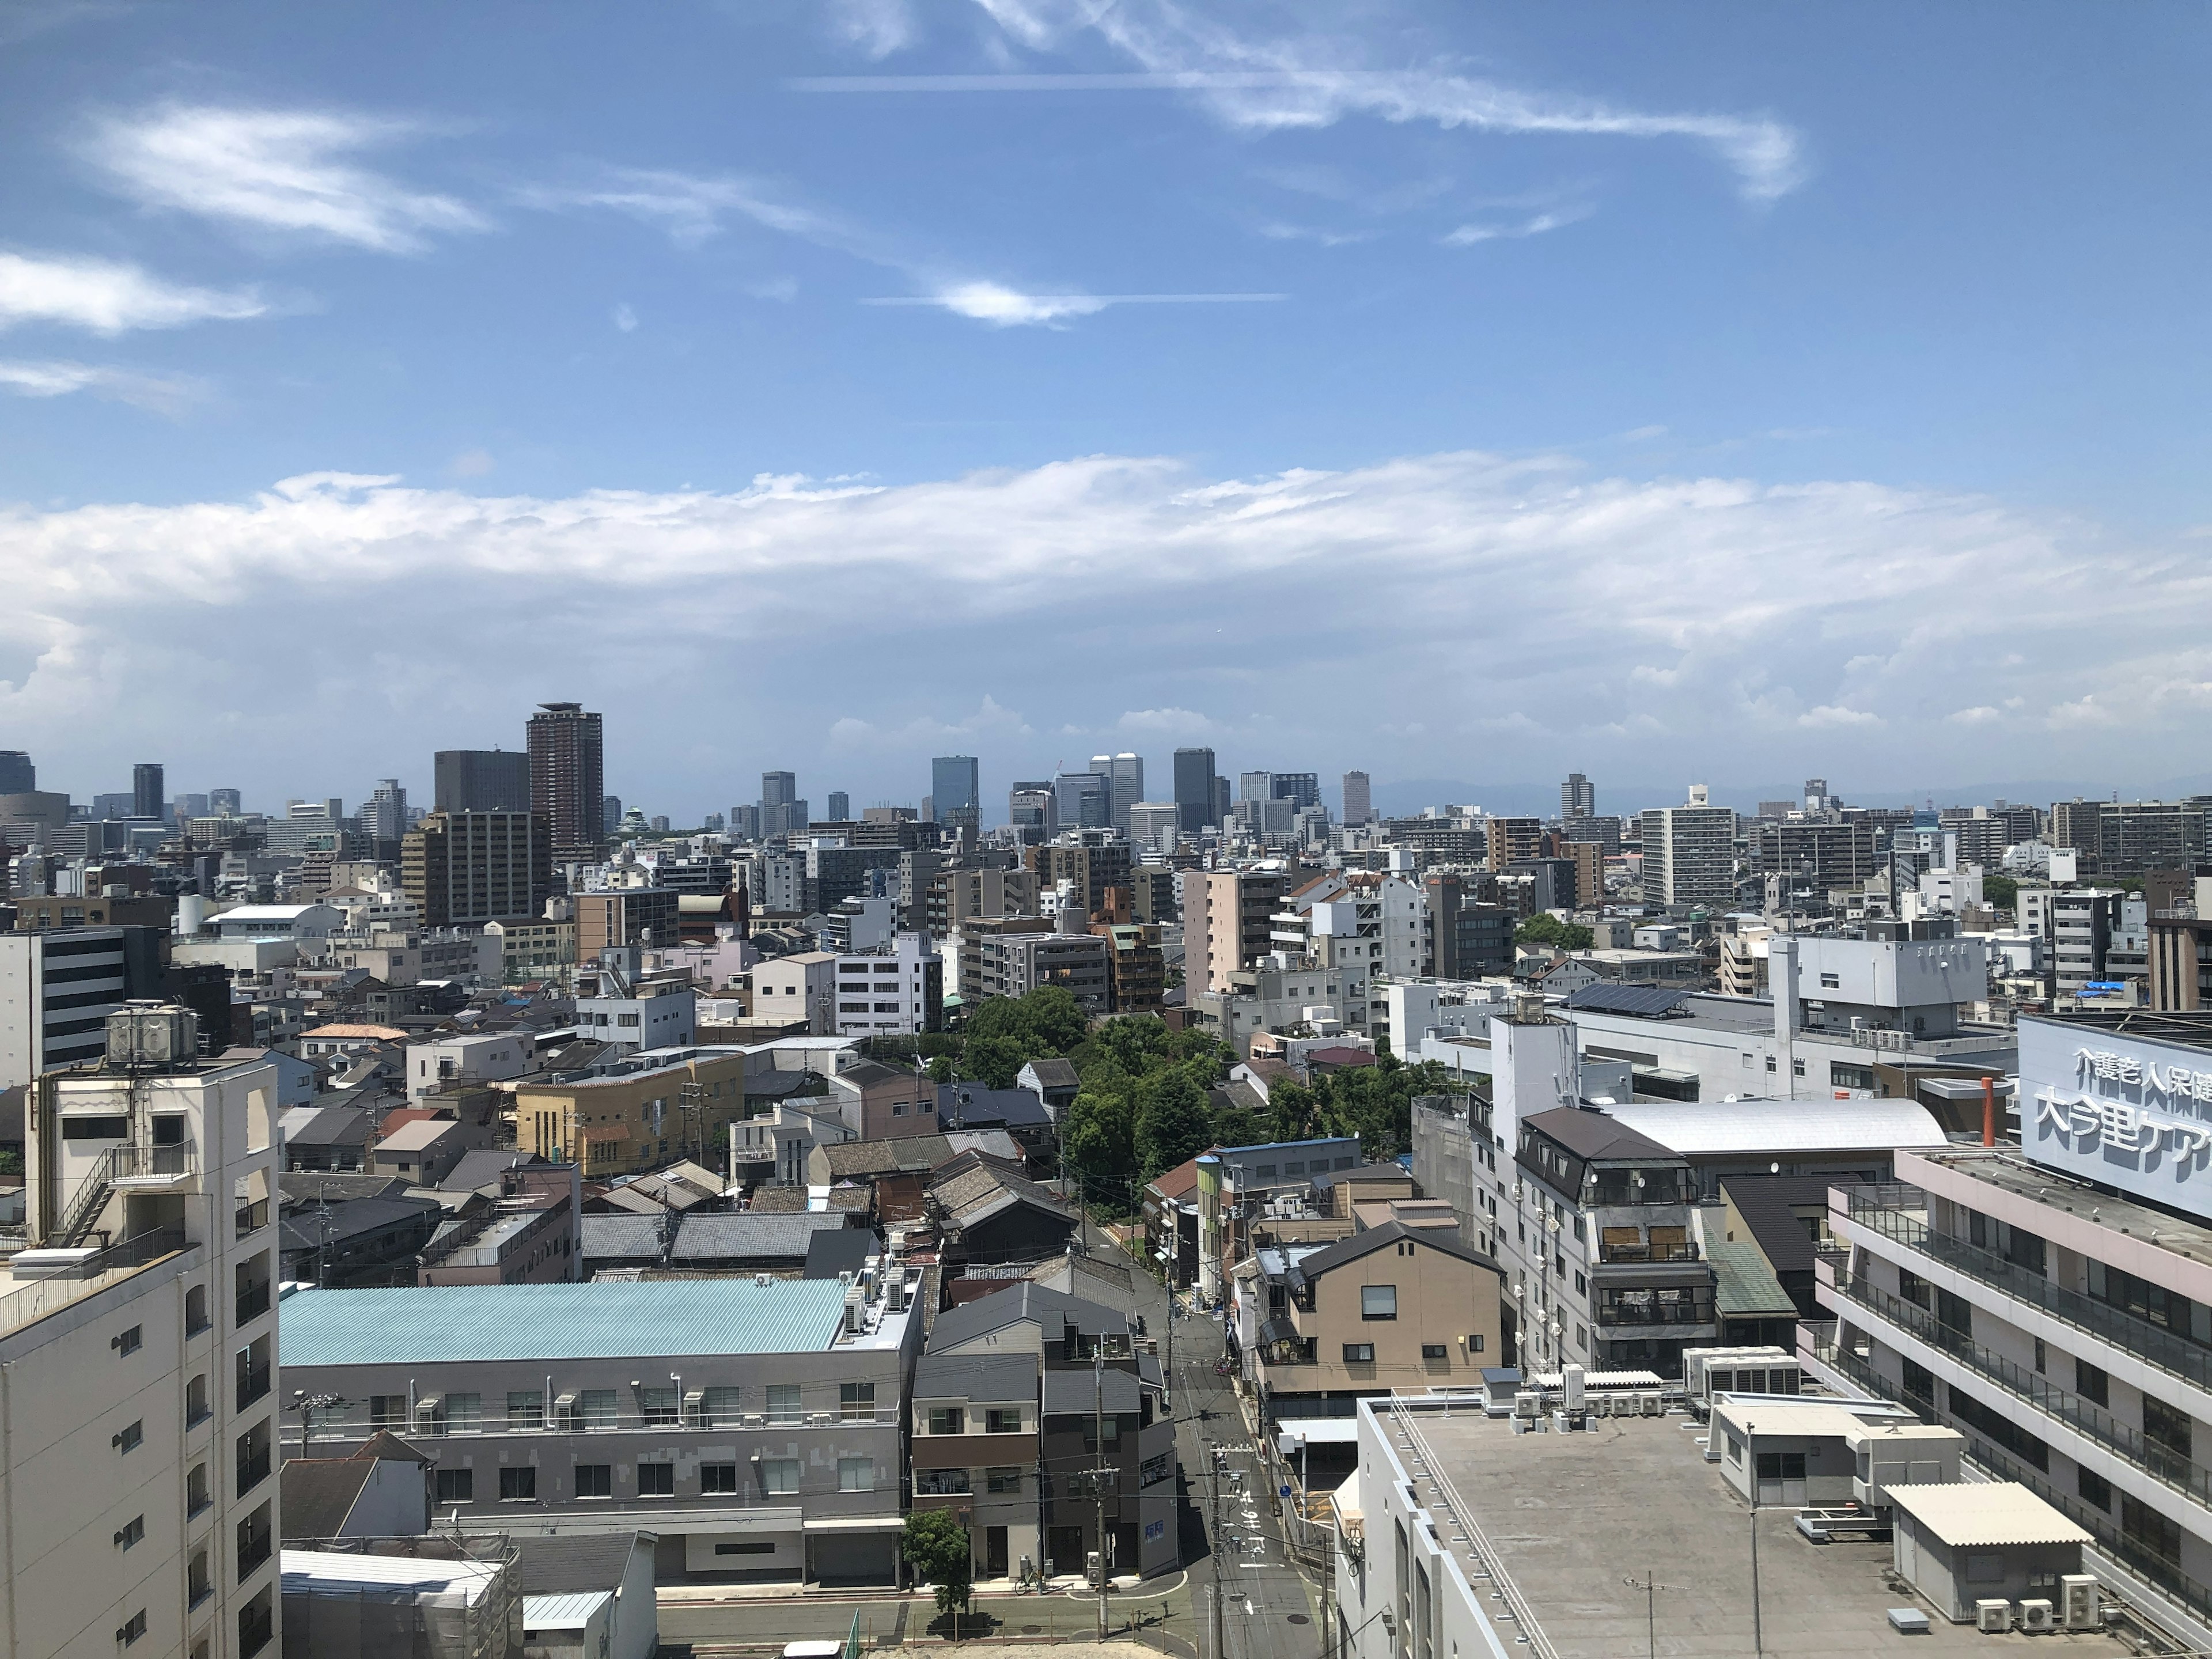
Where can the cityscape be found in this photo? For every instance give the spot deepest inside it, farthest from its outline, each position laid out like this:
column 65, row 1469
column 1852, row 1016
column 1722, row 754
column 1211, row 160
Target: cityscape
column 1103, row 827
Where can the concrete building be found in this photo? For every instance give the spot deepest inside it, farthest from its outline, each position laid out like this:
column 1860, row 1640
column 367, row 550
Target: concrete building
column 1154, row 824
column 138, row 1501
column 1689, row 855
column 898, row 991
column 1358, row 800
column 792, row 989
column 478, row 868
column 955, row 791
column 625, row 916
column 1228, row 919
column 480, row 781
column 532, row 947
column 1195, row 795
column 446, row 1063
column 753, row 1428
column 636, row 1115
column 2052, row 1300
column 1014, row 964
column 568, row 779
column 1577, row 798
column 56, row 989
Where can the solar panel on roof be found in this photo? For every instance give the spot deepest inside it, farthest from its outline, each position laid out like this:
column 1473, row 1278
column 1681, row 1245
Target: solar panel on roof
column 1648, row 1001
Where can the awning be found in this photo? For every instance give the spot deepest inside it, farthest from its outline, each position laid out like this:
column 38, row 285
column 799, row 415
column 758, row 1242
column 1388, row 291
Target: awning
column 1278, row 1329
column 856, row 1523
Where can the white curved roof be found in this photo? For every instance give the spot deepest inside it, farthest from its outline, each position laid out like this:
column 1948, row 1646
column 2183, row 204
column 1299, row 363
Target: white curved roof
column 1704, row 1128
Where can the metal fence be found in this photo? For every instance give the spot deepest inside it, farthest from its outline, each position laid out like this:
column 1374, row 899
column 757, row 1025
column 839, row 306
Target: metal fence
column 722, row 1628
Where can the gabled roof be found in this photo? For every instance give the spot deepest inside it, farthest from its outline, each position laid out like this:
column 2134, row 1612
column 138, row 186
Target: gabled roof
column 1054, row 1073
column 386, row 1447
column 833, row 1250
column 1764, row 1201
column 866, row 1160
column 1018, row 1304
column 1594, row 1135
column 971, row 1105
column 483, row 1167
column 993, row 1378
column 318, row 1493
column 1077, row 1390
column 572, row 1562
column 1179, row 1182
column 869, row 1074
column 327, row 1126
column 1312, row 1266
column 973, row 1188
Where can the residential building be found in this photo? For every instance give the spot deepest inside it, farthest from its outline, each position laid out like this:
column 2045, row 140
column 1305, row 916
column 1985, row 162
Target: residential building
column 1228, row 922
column 1035, row 1416
column 1196, row 809
column 2127, row 838
column 619, row 1004
column 896, row 991
column 532, row 948
column 1813, row 855
column 1359, row 801
column 1393, row 1308
column 1577, row 798
column 567, row 779
column 58, row 987
column 957, row 897
column 1469, row 938
column 1511, row 841
column 140, row 1353
column 1136, row 969
column 625, row 916
column 1689, row 855
column 800, row 988
column 1012, row 964
column 481, row 780
column 754, row 1428
column 1606, row 1269
column 2052, row 1300
column 1092, row 865
column 478, row 866
column 1235, row 1184
column 2078, row 923
column 882, row 1103
column 2180, row 960
column 636, row 1116
column 444, row 1063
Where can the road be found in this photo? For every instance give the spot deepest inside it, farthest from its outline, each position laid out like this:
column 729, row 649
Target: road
column 1267, row 1611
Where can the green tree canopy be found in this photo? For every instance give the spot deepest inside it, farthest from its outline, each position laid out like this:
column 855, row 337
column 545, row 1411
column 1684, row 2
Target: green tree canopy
column 935, row 1544
column 1174, row 1119
column 1549, row 930
column 1999, row 890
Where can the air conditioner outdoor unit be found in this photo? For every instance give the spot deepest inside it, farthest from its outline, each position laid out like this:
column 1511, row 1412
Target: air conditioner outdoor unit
column 2083, row 1600
column 1993, row 1618
column 2035, row 1615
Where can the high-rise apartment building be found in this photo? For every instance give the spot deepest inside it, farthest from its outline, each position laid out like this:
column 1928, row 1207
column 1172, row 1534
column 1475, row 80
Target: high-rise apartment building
column 478, row 866
column 481, row 780
column 1513, row 841
column 568, row 779
column 138, row 1340
column 148, row 792
column 1358, row 800
column 1689, row 853
column 1194, row 792
column 383, row 816
column 1577, row 798
column 1228, row 919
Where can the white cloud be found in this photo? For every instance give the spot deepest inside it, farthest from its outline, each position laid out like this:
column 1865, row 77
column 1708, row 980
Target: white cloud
column 1305, row 82
column 1536, row 225
column 625, row 318
column 878, row 27
column 106, row 297
column 1981, row 714
column 285, row 170
column 995, row 303
column 693, row 207
column 1650, row 628
column 164, row 394
column 470, row 464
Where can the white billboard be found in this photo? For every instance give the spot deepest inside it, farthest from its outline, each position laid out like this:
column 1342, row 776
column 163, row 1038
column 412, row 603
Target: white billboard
column 2128, row 1112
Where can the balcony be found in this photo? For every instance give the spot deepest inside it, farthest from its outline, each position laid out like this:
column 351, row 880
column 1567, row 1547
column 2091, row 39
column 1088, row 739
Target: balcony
column 1690, row 1313
column 251, row 1552
column 256, row 1628
column 253, row 1303
column 1613, row 1254
column 253, row 1470
column 172, row 1168
column 2174, row 1355
column 252, row 1383
column 2092, row 1422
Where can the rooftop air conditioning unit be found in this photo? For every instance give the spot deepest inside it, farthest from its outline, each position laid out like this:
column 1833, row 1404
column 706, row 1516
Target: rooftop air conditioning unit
column 2035, row 1615
column 1993, row 1618
column 2084, row 1601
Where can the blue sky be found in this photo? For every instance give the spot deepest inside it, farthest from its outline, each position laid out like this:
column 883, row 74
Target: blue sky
column 1469, row 392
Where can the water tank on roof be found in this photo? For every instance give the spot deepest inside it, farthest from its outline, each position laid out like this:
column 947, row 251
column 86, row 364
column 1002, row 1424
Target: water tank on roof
column 153, row 1036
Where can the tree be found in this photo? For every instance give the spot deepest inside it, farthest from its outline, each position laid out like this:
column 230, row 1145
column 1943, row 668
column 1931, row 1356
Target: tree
column 2000, row 892
column 1549, row 930
column 1098, row 1146
column 1174, row 1122
column 940, row 1068
column 935, row 1544
column 995, row 1062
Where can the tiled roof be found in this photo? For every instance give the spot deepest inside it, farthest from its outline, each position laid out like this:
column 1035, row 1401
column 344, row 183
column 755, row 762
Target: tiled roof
column 1744, row 1286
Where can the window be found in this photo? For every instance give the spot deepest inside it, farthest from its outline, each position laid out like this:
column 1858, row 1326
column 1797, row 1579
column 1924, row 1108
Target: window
column 134, row 1531
column 856, row 1402
column 464, row 1413
column 1474, row 1343
column 1435, row 1351
column 2092, row 1488
column 783, row 1403
column 525, row 1410
column 1359, row 1354
column 196, row 1497
column 389, row 1411
column 518, row 1485
column 719, row 1480
column 595, row 1480
column 1003, row 1419
column 779, row 1476
column 718, row 1408
column 195, row 1313
column 656, row 1479
column 132, row 1436
column 133, row 1628
column 2149, row 1531
column 1832, row 981
column 196, row 1409
column 95, row 1129
column 856, row 1475
column 457, row 1485
column 2165, row 1427
column 1002, row 1480
column 661, row 1405
column 130, row 1341
column 940, row 1483
column 1378, row 1301
column 947, row 1419
column 1154, row 1470
column 2090, row 1382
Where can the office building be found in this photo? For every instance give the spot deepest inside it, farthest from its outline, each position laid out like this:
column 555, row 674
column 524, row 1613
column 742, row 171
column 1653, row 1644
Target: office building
column 2052, row 1300
column 1256, row 786
column 955, row 791
column 1194, row 791
column 1815, row 854
column 1359, row 801
column 18, row 776
column 754, row 1428
column 383, row 817
column 1153, row 824
column 840, row 806
column 567, row 779
column 459, row 867
column 481, row 780
column 1125, row 774
column 1083, row 800
column 1014, row 964
column 1689, row 855
column 58, row 987
column 138, row 1473
column 1577, row 798
column 1033, row 809
column 148, row 798
column 782, row 811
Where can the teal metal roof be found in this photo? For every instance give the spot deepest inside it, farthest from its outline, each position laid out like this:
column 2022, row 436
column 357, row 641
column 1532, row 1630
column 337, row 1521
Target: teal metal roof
column 651, row 1319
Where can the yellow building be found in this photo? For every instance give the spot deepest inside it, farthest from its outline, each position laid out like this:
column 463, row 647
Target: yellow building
column 530, row 947
column 637, row 1120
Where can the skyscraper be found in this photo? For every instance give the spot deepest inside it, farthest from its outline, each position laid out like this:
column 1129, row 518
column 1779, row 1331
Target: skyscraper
column 1301, row 789
column 841, row 806
column 1256, row 786
column 1193, row 790
column 17, row 775
column 1128, row 774
column 1577, row 798
column 1084, row 800
column 1033, row 809
column 147, row 790
column 1359, row 804
column 568, row 779
column 383, row 817
column 955, row 789
column 481, row 780
column 476, row 867
column 226, row 802
column 782, row 811
column 1689, row 855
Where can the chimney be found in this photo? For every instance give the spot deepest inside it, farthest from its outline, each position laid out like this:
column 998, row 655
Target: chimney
column 1988, row 1112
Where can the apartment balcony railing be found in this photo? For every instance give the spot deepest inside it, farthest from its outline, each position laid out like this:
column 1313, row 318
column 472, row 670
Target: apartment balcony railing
column 2091, row 1421
column 1662, row 1313
column 252, row 1383
column 1608, row 1255
column 253, row 1470
column 253, row 1303
column 251, row 1554
column 256, row 1628
column 2176, row 1356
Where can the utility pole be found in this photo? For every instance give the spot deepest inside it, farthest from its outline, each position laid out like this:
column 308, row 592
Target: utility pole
column 1098, row 1370
column 1213, row 1477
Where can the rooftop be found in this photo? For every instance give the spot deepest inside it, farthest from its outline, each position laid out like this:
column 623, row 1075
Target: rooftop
column 644, row 1319
column 1579, row 1523
column 2007, row 1169
column 1993, row 1512
column 1708, row 1128
column 2192, row 1030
